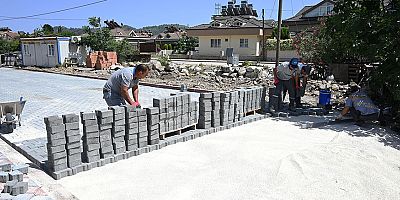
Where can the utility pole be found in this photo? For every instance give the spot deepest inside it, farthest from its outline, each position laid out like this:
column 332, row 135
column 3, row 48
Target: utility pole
column 263, row 34
column 278, row 40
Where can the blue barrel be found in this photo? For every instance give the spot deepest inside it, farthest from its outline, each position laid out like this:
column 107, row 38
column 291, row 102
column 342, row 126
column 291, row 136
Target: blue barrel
column 324, row 97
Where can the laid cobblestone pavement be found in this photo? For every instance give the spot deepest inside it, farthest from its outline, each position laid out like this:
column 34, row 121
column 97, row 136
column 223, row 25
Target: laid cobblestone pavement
column 52, row 94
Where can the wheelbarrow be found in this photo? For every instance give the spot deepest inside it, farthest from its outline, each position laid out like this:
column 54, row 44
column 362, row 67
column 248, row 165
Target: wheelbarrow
column 10, row 114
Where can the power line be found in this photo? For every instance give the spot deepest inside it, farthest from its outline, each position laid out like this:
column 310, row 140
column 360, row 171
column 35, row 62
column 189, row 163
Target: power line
column 291, row 1
column 273, row 8
column 50, row 19
column 52, row 12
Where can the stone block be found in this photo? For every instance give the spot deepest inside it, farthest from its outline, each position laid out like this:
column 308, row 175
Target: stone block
column 90, row 122
column 141, row 112
column 90, row 129
column 118, row 128
column 118, row 145
column 74, row 162
column 60, row 167
column 90, row 159
column 154, row 141
column 132, row 120
column 105, row 126
column 143, row 144
column 88, row 116
column 118, row 157
column 88, row 141
column 118, row 134
column 4, row 177
column 55, row 149
column 58, row 155
column 104, row 113
column 53, row 121
column 70, row 118
column 131, row 147
column 61, row 174
column 131, row 137
column 77, row 169
column 117, row 109
column 152, row 111
column 73, row 139
column 131, row 115
column 73, row 145
column 119, row 123
column 8, row 186
column 55, row 129
column 5, row 167
column 74, row 151
column 106, row 120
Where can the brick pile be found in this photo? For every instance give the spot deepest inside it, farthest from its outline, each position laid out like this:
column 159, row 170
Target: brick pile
column 12, row 177
column 101, row 60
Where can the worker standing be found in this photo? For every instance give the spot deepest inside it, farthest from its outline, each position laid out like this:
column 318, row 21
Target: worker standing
column 116, row 89
column 285, row 79
column 302, row 77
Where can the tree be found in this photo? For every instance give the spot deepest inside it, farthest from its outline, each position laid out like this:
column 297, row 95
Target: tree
column 47, row 29
column 95, row 22
column 186, row 44
column 125, row 51
column 7, row 46
column 284, row 33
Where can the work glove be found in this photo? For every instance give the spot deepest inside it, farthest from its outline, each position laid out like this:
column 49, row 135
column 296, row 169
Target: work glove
column 136, row 104
column 276, row 81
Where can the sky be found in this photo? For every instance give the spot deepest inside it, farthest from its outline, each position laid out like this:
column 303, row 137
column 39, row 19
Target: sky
column 130, row 12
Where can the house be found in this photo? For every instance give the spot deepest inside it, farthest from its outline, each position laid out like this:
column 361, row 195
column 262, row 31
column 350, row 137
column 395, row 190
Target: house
column 236, row 27
column 309, row 17
column 52, row 51
column 7, row 34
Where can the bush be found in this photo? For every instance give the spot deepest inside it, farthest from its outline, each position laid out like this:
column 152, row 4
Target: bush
column 246, row 63
column 286, row 45
column 164, row 60
column 165, row 47
column 169, row 46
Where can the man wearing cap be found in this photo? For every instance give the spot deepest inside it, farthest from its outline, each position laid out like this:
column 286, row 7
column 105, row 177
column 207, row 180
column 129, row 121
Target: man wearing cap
column 116, row 89
column 360, row 106
column 285, row 78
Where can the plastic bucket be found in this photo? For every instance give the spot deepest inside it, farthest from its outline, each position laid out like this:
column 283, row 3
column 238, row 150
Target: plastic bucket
column 324, row 97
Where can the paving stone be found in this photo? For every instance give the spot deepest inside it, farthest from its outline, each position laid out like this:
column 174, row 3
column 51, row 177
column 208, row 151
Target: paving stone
column 105, row 126
column 55, row 129
column 69, row 133
column 73, row 139
column 104, row 113
column 74, row 151
column 90, row 129
column 5, row 166
column 88, row 116
column 119, row 134
column 4, row 177
column 53, row 121
column 73, row 145
column 70, row 118
column 55, row 149
column 118, row 157
column 74, row 163
column 90, row 122
column 58, row 155
column 117, row 109
column 8, row 186
column 90, row 159
column 60, row 167
column 61, row 174
column 77, row 169
column 72, row 126
column 132, row 147
column 88, row 141
column 107, row 120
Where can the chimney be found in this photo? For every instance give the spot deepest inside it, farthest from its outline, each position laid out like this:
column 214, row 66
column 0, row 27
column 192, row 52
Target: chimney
column 249, row 9
column 237, row 10
column 230, row 8
column 224, row 11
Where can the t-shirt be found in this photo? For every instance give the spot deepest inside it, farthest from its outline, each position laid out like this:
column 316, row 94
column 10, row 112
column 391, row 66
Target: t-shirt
column 284, row 72
column 123, row 77
column 361, row 102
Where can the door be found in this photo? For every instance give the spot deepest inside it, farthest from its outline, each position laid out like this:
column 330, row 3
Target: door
column 38, row 54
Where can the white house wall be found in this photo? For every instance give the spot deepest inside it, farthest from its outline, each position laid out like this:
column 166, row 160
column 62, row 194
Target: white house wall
column 233, row 41
column 320, row 11
column 38, row 53
column 63, row 49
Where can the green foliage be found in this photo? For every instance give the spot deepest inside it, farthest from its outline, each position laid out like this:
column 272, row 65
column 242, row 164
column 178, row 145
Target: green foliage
column 165, row 47
column 161, row 28
column 286, row 45
column 186, row 44
column 246, row 63
column 100, row 40
column 7, row 46
column 95, row 22
column 125, row 51
column 284, row 33
column 310, row 45
column 47, row 30
column 169, row 46
column 164, row 60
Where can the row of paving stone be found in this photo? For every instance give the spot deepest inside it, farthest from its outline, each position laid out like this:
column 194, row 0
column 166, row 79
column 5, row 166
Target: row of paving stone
column 124, row 128
column 15, row 182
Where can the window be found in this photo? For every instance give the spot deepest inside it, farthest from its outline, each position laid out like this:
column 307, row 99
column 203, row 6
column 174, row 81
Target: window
column 50, row 51
column 329, row 10
column 244, row 43
column 226, row 39
column 26, row 49
column 215, row 43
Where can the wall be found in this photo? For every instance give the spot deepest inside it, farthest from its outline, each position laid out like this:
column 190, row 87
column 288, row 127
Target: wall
column 320, row 11
column 38, row 53
column 63, row 48
column 233, row 42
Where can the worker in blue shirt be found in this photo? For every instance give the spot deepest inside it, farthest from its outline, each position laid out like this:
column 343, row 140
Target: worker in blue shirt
column 360, row 106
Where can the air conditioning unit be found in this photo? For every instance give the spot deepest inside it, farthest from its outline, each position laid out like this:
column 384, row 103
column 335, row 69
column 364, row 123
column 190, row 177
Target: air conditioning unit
column 75, row 39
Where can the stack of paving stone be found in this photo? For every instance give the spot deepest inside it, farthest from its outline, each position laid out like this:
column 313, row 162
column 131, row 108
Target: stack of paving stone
column 225, row 107
column 253, row 99
column 57, row 154
column 162, row 105
column 193, row 113
column 118, row 129
column 205, row 110
column 184, row 111
column 104, row 121
column 73, row 140
column 153, row 119
column 91, row 138
column 239, row 106
column 216, row 109
column 11, row 176
column 232, row 102
column 142, row 128
column 131, row 128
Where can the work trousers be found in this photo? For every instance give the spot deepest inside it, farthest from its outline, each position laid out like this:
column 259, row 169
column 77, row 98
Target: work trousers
column 276, row 101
